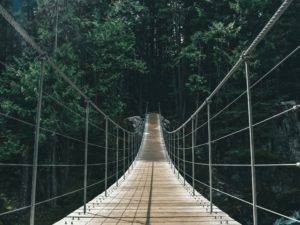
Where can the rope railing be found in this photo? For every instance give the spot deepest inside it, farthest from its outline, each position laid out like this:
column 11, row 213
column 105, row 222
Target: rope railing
column 56, row 197
column 226, row 193
column 115, row 146
column 127, row 143
column 293, row 52
column 55, row 132
column 63, row 165
column 236, row 165
column 129, row 148
column 180, row 143
column 243, row 58
column 295, row 107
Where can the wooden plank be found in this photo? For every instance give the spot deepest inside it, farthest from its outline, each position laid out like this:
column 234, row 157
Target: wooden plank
column 150, row 194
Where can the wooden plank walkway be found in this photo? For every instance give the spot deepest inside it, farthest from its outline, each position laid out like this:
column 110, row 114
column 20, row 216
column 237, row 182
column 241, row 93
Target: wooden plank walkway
column 150, row 194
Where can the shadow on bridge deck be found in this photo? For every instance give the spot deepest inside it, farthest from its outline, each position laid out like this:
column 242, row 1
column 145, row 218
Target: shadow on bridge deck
column 150, row 194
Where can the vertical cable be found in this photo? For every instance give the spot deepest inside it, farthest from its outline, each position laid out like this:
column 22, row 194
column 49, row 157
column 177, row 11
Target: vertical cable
column 174, row 152
column 178, row 154
column 106, row 153
column 124, row 153
column 183, row 149
column 193, row 156
column 208, row 101
column 87, row 111
column 170, row 146
column 36, row 144
column 117, row 158
column 252, row 149
column 128, row 153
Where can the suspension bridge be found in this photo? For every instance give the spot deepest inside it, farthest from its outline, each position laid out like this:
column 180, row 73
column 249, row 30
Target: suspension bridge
column 149, row 174
column 151, row 193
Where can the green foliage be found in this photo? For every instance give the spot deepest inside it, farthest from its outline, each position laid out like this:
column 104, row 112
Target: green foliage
column 127, row 52
column 284, row 221
column 98, row 53
column 197, row 84
column 11, row 146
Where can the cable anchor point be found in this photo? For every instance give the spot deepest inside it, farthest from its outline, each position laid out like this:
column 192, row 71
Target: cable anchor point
column 208, row 100
column 295, row 107
column 244, row 56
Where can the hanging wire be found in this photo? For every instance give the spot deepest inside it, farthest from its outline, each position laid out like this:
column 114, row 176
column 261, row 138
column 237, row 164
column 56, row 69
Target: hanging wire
column 244, row 92
column 258, row 123
column 240, row 199
column 54, row 198
column 51, row 131
column 258, row 81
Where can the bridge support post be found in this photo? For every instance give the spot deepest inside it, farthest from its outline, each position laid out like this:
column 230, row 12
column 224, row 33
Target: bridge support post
column 168, row 135
column 87, row 111
column 166, row 138
column 147, row 103
column 174, row 152
column 252, row 147
column 178, row 167
column 183, row 149
column 36, row 144
column 193, row 156
column 208, row 101
column 132, row 150
column 128, row 153
column 124, row 152
column 117, row 159
column 135, row 147
column 106, row 154
column 169, row 148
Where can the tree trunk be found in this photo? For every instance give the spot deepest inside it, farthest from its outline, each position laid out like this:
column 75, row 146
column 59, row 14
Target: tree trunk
column 56, row 29
column 175, row 93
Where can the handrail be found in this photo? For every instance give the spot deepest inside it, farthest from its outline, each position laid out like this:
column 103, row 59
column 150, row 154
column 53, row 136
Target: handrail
column 174, row 137
column 51, row 62
column 125, row 142
column 283, row 7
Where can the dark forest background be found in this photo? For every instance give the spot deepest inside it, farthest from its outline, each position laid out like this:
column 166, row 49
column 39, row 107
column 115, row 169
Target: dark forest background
column 127, row 54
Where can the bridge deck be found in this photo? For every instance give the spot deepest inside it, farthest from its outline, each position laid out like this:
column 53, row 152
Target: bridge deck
column 150, row 194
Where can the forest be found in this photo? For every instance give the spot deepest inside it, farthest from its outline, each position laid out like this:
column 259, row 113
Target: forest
column 136, row 56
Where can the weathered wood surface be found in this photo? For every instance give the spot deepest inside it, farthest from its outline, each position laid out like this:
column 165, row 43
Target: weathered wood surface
column 150, row 194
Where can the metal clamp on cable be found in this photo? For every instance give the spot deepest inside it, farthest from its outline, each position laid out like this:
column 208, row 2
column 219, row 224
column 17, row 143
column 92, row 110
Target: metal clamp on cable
column 208, row 100
column 244, row 57
column 87, row 101
column 295, row 107
column 44, row 56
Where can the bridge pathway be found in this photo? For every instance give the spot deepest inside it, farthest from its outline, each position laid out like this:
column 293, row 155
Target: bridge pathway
column 150, row 194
